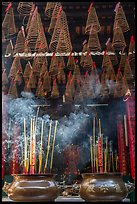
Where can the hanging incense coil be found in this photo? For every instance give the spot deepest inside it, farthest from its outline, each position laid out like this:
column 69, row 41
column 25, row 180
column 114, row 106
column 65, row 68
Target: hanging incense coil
column 53, row 69
column 77, row 74
column 20, row 43
column 46, row 83
column 5, row 80
column 24, row 8
column 118, row 41
column 8, row 24
column 16, row 66
column 43, row 70
column 131, row 54
column 27, row 71
column 113, row 57
column 38, row 63
column 29, row 19
column 128, row 72
column 93, row 42
column 84, row 50
column 120, row 18
column 71, row 63
column 39, row 91
column 27, row 52
column 70, row 89
column 61, row 77
column 86, row 61
column 49, row 8
column 119, row 85
column 19, row 78
column 9, row 49
column 55, row 91
column 3, row 37
column 57, row 6
column 122, row 62
column 6, row 3
column 33, row 31
column 13, row 90
column 32, row 80
column 27, row 87
column 61, row 25
column 92, row 20
column 41, row 43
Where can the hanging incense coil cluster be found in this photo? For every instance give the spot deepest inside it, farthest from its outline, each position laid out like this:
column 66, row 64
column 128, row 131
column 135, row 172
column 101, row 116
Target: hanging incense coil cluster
column 60, row 41
column 55, row 11
column 8, row 24
column 20, row 43
column 120, row 19
column 24, row 8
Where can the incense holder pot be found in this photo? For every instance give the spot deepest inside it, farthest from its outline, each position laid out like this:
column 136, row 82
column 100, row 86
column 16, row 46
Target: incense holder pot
column 32, row 187
column 104, row 187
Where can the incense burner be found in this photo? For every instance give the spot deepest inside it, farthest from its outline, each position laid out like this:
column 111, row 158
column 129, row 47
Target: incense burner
column 104, row 187
column 32, row 187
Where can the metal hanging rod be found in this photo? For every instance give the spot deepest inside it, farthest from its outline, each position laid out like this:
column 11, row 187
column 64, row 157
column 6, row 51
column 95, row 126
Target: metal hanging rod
column 76, row 105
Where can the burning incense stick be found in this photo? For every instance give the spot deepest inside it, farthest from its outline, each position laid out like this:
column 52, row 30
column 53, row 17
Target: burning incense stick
column 101, row 137
column 97, row 158
column 91, row 154
column 48, row 147
column 106, row 154
column 25, row 147
column 40, row 155
column 53, row 144
column 32, row 150
column 125, row 126
column 94, row 141
column 30, row 141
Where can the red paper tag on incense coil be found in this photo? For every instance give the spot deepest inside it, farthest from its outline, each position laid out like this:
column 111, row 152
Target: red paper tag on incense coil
column 34, row 14
column 90, row 7
column 70, row 55
column 69, row 74
column 87, row 55
column 105, row 52
column 117, row 6
column 40, row 46
column 60, row 9
column 132, row 38
column 54, row 9
column 54, row 82
column 53, row 55
column 8, row 7
column 60, row 65
column 93, row 64
column 118, row 71
column 23, row 32
column 86, row 74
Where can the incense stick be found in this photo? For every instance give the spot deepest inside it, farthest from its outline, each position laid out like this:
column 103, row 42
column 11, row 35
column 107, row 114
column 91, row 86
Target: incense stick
column 40, row 155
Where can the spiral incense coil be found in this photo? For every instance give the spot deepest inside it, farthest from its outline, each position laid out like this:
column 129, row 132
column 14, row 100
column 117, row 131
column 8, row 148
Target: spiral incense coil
column 6, row 3
column 87, row 61
column 15, row 67
column 122, row 62
column 38, row 63
column 19, row 78
column 33, row 31
column 8, row 24
column 128, row 71
column 3, row 37
column 29, row 20
column 55, row 91
column 27, row 70
column 131, row 51
column 61, row 77
column 46, row 83
column 71, row 63
column 120, row 18
column 113, row 58
column 9, row 49
column 44, row 69
column 5, row 80
column 49, row 8
column 20, row 43
column 77, row 74
column 39, row 90
column 24, row 8
column 27, row 87
column 32, row 80
column 13, row 90
column 27, row 52
column 61, row 62
column 70, row 89
column 53, row 69
column 92, row 20
column 93, row 42
column 53, row 20
column 118, row 41
column 61, row 25
column 41, row 43
column 84, row 50
column 119, row 86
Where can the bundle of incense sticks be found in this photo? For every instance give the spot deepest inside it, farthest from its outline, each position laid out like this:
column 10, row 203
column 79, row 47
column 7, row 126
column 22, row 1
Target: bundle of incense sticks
column 103, row 158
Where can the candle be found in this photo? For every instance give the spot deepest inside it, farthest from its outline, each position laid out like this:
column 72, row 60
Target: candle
column 48, row 147
column 53, row 144
column 125, row 126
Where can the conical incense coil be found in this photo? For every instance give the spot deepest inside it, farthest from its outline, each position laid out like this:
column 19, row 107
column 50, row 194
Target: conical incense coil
column 39, row 91
column 120, row 18
column 27, row 70
column 32, row 80
column 24, row 8
column 55, row 91
column 61, row 77
column 8, row 24
column 119, row 85
column 71, row 63
column 84, row 50
column 38, row 62
column 41, row 43
column 53, row 69
column 29, row 19
column 113, row 57
column 20, row 43
column 128, row 71
column 122, row 62
column 118, row 41
column 104, row 90
column 3, row 37
column 57, row 7
column 77, row 74
column 70, row 89
column 33, row 30
column 27, row 87
column 61, row 24
column 27, row 52
column 5, row 80
column 43, row 70
column 46, row 83
column 61, row 62
column 131, row 50
column 3, row 66
column 87, row 61
column 19, row 78
column 92, row 20
column 93, row 42
column 13, row 90
column 49, row 8
column 16, row 66
column 6, row 3
column 64, row 43
column 9, row 49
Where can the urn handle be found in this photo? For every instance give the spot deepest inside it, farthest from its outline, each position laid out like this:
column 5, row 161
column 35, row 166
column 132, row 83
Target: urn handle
column 6, row 187
column 130, row 187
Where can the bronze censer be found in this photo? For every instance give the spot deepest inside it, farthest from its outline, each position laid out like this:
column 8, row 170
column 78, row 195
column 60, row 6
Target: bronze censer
column 32, row 187
column 104, row 187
